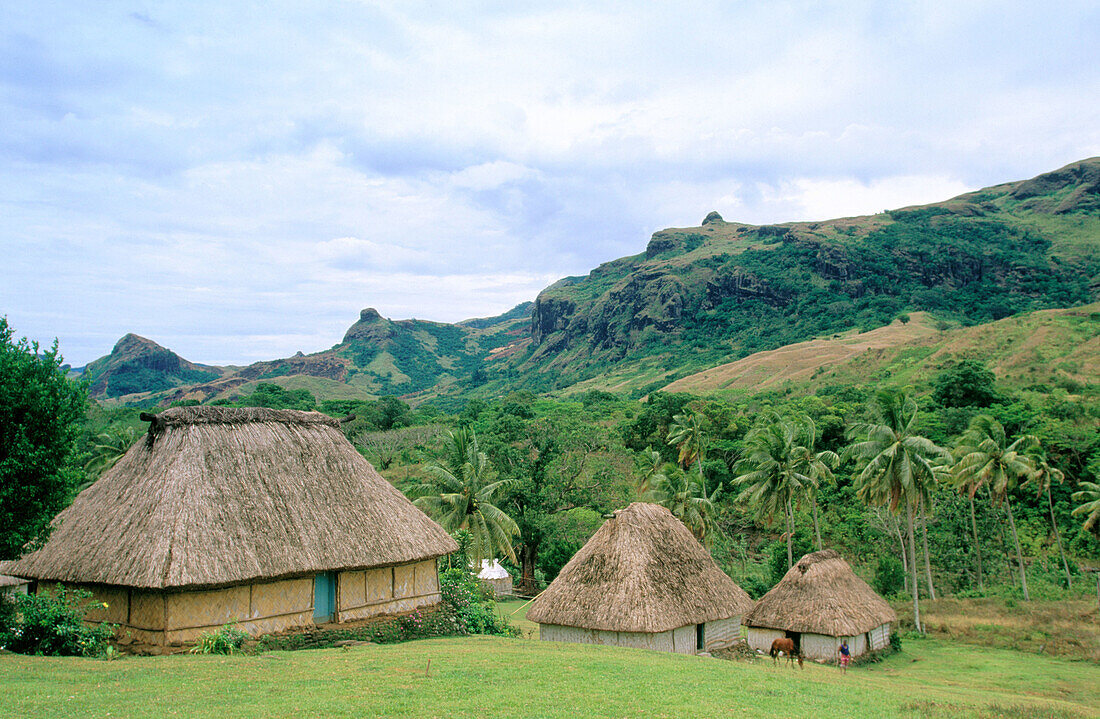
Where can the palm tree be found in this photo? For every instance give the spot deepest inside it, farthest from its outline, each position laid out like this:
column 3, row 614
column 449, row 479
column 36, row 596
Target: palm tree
column 773, row 472
column 818, row 465
column 108, row 449
column 462, row 495
column 1089, row 494
column 681, row 492
column 648, row 464
column 1043, row 476
column 686, row 434
column 110, row 446
column 898, row 465
column 969, row 488
column 988, row 459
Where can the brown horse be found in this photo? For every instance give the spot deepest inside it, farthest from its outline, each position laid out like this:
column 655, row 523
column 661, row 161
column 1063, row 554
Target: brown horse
column 786, row 646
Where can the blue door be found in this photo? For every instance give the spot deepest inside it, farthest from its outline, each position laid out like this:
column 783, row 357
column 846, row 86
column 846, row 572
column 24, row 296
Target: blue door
column 324, row 597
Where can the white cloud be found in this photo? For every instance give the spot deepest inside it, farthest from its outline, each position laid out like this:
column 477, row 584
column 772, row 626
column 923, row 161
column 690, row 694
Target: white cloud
column 238, row 182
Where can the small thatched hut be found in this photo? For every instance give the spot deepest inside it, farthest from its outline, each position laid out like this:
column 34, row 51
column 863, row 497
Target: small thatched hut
column 643, row 581
column 495, row 577
column 269, row 518
column 820, row 602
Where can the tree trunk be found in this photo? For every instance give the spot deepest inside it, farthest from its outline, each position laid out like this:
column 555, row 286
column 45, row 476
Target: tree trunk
column 913, row 566
column 977, row 546
column 817, row 530
column 901, row 545
column 1058, row 537
column 1019, row 551
column 927, row 561
column 529, row 555
column 790, row 534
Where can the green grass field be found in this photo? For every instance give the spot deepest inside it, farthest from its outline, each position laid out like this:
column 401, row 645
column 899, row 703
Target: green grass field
column 485, row 676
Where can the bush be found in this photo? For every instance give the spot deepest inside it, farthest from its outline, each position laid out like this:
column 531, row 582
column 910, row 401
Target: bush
column 895, row 641
column 227, row 640
column 889, row 576
column 52, row 624
column 472, row 607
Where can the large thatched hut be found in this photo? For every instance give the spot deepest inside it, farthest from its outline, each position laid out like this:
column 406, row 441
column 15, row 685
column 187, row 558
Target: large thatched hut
column 269, row 518
column 643, row 581
column 820, row 602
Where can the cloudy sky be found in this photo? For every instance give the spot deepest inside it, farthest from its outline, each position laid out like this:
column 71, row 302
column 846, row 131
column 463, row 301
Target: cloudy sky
column 237, row 180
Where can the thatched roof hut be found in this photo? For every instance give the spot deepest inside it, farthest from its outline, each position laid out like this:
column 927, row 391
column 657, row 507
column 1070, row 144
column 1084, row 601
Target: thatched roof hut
column 821, row 601
column 642, row 580
column 216, row 497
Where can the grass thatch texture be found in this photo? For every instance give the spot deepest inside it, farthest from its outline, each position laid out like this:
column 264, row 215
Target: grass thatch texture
column 642, row 571
column 492, row 677
column 218, row 496
column 821, row 594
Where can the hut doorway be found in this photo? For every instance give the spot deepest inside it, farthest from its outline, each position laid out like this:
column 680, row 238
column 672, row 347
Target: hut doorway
column 797, row 638
column 324, row 597
column 700, row 637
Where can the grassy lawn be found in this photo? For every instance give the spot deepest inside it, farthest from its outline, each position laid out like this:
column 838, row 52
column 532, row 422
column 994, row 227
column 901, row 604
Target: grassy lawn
column 484, row 676
column 515, row 611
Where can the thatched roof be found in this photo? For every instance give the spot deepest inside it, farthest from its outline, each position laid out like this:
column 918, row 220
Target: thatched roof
column 821, row 594
column 214, row 496
column 642, row 571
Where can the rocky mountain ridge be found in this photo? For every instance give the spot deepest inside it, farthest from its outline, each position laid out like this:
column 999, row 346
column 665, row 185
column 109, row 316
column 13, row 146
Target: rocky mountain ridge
column 699, row 297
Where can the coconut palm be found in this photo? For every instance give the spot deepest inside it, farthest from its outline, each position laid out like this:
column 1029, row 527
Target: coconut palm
column 463, row 495
column 1043, row 476
column 898, row 465
column 110, row 446
column 969, row 488
column 681, row 492
column 773, row 472
column 686, row 434
column 988, row 459
column 818, row 465
column 648, row 464
column 1089, row 494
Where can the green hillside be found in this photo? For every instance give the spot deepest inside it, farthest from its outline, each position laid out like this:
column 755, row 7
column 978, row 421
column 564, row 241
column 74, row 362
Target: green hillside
column 723, row 290
column 700, row 297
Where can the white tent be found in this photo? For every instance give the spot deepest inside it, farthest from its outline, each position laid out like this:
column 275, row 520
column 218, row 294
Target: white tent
column 495, row 576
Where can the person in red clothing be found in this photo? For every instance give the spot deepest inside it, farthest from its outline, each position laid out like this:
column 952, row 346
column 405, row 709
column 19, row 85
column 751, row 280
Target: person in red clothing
column 843, row 655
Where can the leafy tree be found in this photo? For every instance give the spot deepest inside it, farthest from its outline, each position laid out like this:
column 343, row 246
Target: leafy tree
column 965, row 384
column 988, row 459
column 273, row 396
column 889, row 576
column 897, row 465
column 462, row 495
column 41, row 413
column 773, row 473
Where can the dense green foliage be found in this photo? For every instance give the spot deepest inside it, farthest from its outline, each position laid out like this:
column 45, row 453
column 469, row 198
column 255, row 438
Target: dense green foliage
column 51, row 624
column 41, row 413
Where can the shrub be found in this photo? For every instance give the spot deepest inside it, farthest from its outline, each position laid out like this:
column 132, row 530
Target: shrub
column 889, row 576
column 52, row 624
column 227, row 640
column 472, row 608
